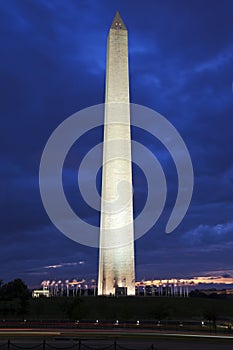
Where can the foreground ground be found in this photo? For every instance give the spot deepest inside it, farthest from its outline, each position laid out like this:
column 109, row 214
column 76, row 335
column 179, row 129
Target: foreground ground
column 117, row 323
column 130, row 308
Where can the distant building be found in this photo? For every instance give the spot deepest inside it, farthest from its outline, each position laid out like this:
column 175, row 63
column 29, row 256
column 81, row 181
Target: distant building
column 40, row 292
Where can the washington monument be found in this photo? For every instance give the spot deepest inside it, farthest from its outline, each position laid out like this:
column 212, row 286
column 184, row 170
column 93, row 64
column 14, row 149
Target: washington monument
column 116, row 252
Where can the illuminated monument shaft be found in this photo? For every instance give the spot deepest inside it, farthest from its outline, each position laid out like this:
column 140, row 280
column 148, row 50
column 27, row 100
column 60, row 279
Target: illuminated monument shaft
column 116, row 253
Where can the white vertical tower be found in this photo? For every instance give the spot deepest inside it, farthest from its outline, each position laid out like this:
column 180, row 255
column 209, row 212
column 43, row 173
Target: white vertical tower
column 116, row 252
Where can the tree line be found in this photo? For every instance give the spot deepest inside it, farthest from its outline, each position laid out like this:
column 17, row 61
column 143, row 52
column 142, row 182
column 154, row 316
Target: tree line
column 14, row 298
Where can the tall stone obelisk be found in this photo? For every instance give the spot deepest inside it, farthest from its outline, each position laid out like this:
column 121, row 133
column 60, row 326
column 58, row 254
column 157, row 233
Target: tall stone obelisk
column 116, row 252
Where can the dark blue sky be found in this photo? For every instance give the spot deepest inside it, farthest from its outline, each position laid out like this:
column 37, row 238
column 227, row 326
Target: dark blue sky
column 53, row 64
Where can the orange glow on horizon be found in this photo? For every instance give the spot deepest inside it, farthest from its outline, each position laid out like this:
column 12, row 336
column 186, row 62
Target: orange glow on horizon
column 191, row 282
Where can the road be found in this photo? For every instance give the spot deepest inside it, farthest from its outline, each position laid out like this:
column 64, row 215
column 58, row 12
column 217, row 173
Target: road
column 115, row 339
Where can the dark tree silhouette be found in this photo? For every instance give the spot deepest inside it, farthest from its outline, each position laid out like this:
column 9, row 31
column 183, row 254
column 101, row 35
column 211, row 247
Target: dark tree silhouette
column 16, row 289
